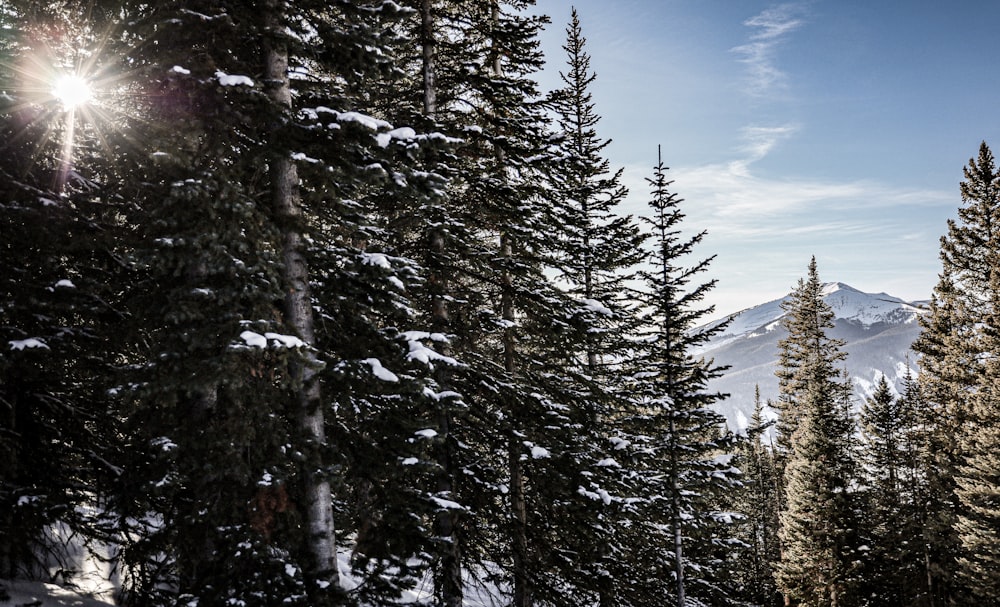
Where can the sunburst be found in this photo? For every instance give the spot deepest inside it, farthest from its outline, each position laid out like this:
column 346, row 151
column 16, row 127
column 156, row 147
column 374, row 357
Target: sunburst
column 72, row 91
column 64, row 90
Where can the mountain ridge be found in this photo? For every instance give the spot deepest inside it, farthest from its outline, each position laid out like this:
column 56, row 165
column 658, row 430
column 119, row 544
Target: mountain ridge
column 877, row 328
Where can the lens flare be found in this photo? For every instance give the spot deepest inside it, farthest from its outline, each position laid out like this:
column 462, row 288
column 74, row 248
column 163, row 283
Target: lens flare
column 72, row 91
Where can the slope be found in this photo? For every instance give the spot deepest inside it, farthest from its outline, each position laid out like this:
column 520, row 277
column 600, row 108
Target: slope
column 877, row 328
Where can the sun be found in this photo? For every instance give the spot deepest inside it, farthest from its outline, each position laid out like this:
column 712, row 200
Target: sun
column 72, row 91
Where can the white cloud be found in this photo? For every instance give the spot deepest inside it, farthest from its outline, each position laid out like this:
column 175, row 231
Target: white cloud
column 874, row 234
column 760, row 140
column 770, row 27
column 732, row 195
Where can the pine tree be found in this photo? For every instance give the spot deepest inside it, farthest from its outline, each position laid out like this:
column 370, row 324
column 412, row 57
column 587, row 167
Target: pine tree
column 538, row 399
column 977, row 481
column 946, row 363
column 58, row 305
column 594, row 251
column 818, row 521
column 599, row 249
column 427, row 224
column 757, row 502
column 807, row 318
column 210, row 473
column 954, row 346
column 212, row 335
column 677, row 538
column 379, row 383
column 889, row 457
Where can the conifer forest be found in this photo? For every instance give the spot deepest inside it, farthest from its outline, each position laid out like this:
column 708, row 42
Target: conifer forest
column 325, row 303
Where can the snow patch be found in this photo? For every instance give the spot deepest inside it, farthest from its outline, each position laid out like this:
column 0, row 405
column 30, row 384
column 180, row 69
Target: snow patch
column 49, row 595
column 379, row 371
column 300, row 156
column 402, row 134
column 233, row 80
column 376, row 259
column 163, row 443
column 254, row 340
column 447, row 504
column 595, row 306
column 31, row 342
column 364, row 120
column 277, row 340
column 286, row 341
column 619, row 443
column 540, row 452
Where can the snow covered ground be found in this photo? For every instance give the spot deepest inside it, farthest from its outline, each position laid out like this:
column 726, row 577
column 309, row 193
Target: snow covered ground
column 95, row 591
column 48, row 595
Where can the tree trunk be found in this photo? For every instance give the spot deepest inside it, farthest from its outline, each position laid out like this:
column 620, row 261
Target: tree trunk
column 519, row 525
column 298, row 307
column 448, row 576
column 428, row 44
column 518, row 506
column 676, row 515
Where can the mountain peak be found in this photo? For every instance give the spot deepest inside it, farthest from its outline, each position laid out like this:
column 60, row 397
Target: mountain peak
column 877, row 329
column 830, row 288
column 847, row 303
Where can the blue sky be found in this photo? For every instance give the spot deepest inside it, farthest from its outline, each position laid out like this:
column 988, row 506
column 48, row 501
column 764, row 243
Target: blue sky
column 834, row 128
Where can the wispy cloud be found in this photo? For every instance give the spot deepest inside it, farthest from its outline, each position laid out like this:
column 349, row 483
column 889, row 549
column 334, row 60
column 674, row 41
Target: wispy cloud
column 758, row 141
column 732, row 196
column 764, row 228
column 734, row 200
column 770, row 28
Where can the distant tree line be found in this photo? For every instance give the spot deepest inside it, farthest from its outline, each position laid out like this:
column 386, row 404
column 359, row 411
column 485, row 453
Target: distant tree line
column 325, row 303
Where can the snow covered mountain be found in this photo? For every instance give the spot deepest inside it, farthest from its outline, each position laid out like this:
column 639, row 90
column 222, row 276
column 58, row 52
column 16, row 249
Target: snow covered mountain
column 878, row 330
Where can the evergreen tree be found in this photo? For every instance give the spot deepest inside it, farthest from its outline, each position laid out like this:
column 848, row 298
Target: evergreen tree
column 57, row 298
column 946, row 363
column 807, row 318
column 977, row 481
column 594, row 252
column 229, row 427
column 819, row 555
column 966, row 250
column 677, row 536
column 889, row 458
column 758, row 503
column 512, row 330
column 429, row 225
column 540, row 397
column 210, row 473
column 600, row 249
column 954, row 345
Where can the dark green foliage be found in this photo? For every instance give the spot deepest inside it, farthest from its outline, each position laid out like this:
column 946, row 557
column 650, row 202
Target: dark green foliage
column 807, row 320
column 957, row 347
column 819, row 541
column 676, row 536
column 57, row 308
column 282, row 292
column 757, row 503
column 977, row 482
column 215, row 467
column 946, row 363
column 594, row 251
column 891, row 458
